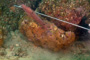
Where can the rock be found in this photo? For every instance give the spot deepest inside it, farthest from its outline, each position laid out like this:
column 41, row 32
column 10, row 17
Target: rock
column 68, row 10
column 53, row 38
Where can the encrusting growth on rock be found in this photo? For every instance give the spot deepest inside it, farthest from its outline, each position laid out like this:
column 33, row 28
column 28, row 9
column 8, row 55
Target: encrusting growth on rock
column 50, row 37
column 53, row 38
column 68, row 10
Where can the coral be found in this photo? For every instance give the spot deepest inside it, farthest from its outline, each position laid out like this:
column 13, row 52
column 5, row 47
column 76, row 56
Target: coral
column 68, row 10
column 44, row 34
column 53, row 38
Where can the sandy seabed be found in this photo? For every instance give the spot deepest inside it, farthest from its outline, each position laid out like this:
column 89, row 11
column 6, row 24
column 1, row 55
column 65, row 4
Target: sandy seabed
column 17, row 47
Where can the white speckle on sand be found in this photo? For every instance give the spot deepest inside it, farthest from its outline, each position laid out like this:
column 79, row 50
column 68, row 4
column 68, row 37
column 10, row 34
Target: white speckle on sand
column 17, row 45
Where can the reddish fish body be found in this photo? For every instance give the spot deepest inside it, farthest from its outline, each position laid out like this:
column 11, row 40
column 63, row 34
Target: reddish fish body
column 32, row 14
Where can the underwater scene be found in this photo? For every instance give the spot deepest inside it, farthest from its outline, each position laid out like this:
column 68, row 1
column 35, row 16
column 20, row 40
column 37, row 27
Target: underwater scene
column 44, row 29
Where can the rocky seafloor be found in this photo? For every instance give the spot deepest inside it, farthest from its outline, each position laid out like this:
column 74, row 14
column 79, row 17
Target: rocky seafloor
column 16, row 46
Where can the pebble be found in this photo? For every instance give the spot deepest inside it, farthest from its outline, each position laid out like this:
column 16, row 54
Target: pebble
column 17, row 45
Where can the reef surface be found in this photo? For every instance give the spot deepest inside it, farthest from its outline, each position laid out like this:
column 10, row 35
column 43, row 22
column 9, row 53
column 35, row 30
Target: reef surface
column 52, row 38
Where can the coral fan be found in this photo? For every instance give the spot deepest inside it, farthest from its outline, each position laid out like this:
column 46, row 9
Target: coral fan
column 53, row 38
column 68, row 10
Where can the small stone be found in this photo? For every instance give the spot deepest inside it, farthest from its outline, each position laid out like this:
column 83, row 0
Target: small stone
column 17, row 45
